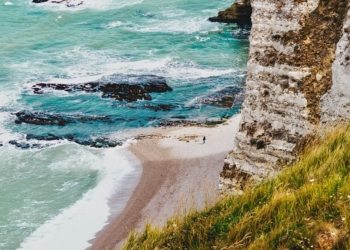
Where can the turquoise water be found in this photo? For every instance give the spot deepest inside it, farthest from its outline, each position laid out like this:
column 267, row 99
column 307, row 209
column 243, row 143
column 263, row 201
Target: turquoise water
column 42, row 189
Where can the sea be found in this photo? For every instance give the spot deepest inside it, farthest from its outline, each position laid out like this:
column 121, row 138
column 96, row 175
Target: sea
column 55, row 192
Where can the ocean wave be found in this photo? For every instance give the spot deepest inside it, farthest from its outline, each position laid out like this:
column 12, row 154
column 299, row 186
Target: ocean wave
column 173, row 26
column 89, row 214
column 87, row 65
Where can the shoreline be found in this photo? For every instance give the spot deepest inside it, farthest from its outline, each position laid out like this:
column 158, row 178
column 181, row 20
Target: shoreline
column 179, row 173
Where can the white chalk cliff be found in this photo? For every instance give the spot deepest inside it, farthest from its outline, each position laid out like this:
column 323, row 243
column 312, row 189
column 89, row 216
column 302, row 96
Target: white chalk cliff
column 298, row 78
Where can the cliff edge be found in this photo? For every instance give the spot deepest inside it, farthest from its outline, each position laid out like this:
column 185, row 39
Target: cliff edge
column 298, row 78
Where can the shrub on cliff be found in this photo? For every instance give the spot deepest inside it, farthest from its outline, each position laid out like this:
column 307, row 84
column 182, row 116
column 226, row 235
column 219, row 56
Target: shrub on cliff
column 306, row 207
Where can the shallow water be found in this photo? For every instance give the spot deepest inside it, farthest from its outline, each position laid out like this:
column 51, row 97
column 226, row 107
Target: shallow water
column 43, row 188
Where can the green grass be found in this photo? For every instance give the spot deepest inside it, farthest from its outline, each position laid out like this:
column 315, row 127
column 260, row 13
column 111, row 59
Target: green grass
column 306, row 207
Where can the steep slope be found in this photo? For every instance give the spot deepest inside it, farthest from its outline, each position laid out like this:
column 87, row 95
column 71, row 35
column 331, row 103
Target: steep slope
column 305, row 207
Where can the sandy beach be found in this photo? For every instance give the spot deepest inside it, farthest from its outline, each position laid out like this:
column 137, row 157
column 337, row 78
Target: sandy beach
column 179, row 173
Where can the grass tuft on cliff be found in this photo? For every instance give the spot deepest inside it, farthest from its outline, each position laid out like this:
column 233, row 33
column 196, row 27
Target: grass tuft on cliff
column 306, row 207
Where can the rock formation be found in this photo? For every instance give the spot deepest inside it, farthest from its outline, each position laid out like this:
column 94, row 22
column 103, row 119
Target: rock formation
column 298, row 78
column 137, row 87
column 239, row 13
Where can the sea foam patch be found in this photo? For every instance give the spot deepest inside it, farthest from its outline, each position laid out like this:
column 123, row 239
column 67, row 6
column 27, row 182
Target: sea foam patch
column 89, row 214
column 74, row 5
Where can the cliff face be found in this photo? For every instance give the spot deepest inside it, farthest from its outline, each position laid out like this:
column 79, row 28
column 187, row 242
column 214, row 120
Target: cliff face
column 298, row 77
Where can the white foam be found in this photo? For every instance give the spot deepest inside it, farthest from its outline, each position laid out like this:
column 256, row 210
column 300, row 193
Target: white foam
column 7, row 97
column 174, row 26
column 72, row 228
column 170, row 13
column 88, row 4
column 114, row 24
column 164, row 67
column 7, row 135
column 102, row 64
column 202, row 39
column 8, row 3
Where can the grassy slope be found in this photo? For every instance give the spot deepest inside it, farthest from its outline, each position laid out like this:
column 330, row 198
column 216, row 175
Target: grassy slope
column 305, row 207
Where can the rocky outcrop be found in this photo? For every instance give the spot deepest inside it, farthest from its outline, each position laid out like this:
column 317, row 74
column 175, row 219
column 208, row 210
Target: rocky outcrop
column 298, row 74
column 130, row 92
column 239, row 13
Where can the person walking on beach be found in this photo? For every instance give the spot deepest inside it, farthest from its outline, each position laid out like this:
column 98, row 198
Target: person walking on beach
column 204, row 140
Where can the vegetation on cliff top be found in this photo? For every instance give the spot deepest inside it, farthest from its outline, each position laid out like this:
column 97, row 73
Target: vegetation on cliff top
column 306, row 207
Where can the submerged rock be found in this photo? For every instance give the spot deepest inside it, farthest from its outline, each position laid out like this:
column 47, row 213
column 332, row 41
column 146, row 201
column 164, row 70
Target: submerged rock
column 39, row 118
column 159, row 107
column 101, row 142
column 25, row 145
column 130, row 89
column 240, row 12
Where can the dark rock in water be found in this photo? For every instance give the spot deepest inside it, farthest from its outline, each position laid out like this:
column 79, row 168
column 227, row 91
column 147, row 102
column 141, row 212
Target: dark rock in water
column 159, row 107
column 240, row 12
column 242, row 33
column 184, row 122
column 39, row 1
column 96, row 143
column 68, row 3
column 226, row 98
column 181, row 117
column 39, row 118
column 130, row 92
column 49, row 137
column 38, row 141
column 20, row 144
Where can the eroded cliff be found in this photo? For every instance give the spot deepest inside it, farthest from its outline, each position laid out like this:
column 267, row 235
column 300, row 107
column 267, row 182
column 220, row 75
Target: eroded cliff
column 298, row 77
